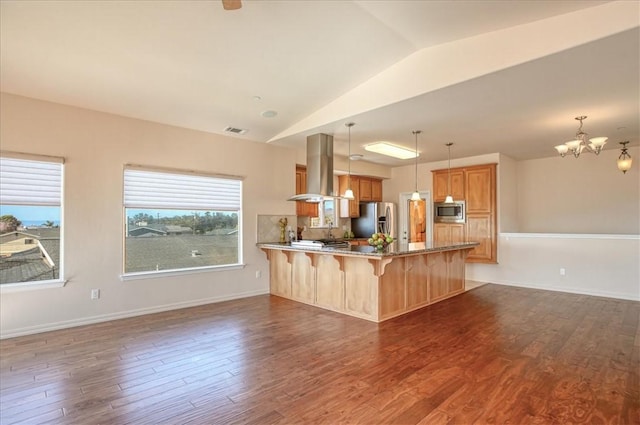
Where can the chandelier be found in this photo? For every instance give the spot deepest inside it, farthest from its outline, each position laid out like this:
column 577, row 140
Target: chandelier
column 580, row 144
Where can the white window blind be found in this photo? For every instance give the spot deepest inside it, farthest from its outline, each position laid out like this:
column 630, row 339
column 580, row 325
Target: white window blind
column 154, row 189
column 27, row 182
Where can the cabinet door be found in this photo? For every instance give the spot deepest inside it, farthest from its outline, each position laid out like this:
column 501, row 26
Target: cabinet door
column 304, row 208
column 480, row 183
column 376, row 190
column 300, row 187
column 441, row 232
column 480, row 229
column 349, row 208
column 457, row 232
column 365, row 189
column 448, row 233
column 441, row 185
column 457, row 185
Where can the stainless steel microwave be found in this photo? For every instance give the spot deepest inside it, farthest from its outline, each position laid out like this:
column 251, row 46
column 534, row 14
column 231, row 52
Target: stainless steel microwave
column 449, row 213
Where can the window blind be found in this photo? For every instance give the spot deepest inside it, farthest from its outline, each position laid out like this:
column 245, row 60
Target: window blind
column 27, row 182
column 153, row 189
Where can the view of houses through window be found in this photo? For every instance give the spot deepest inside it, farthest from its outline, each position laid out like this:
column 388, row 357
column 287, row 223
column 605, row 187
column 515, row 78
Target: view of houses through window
column 173, row 239
column 180, row 220
column 30, row 220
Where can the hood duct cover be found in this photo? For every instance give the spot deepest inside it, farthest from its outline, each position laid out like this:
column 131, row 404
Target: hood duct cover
column 319, row 169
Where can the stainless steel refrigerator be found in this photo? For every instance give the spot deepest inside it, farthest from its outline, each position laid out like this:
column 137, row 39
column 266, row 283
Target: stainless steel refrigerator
column 375, row 217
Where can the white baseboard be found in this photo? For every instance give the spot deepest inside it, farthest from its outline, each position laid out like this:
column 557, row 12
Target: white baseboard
column 570, row 290
column 30, row 330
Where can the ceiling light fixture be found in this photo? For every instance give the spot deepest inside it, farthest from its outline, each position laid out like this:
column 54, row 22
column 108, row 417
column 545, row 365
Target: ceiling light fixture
column 449, row 198
column 416, row 195
column 624, row 160
column 388, row 149
column 579, row 144
column 269, row 114
column 348, row 194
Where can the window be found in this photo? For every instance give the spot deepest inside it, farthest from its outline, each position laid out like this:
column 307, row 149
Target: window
column 327, row 214
column 180, row 221
column 30, row 219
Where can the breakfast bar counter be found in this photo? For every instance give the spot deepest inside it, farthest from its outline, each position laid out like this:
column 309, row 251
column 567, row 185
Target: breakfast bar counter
column 362, row 282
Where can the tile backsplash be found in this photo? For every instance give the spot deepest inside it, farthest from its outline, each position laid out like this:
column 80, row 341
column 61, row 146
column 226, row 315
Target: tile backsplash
column 269, row 228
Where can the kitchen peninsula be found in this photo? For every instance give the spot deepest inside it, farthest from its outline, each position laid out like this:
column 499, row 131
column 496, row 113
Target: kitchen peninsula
column 361, row 282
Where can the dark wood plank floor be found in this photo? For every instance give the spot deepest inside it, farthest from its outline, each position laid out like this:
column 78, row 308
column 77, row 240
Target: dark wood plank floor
column 493, row 355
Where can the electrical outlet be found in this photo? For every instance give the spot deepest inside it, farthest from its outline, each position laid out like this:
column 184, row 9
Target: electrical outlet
column 258, row 274
column 95, row 294
column 562, row 271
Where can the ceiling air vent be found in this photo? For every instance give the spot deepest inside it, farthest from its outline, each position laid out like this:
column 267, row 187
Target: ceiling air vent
column 235, row 130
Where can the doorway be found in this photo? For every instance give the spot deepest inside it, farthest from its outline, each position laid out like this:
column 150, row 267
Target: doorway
column 415, row 218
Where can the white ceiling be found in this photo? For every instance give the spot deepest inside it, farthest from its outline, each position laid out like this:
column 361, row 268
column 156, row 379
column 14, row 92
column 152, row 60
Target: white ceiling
column 491, row 76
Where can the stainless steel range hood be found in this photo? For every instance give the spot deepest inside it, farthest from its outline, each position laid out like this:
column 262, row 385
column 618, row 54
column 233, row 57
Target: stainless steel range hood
column 319, row 169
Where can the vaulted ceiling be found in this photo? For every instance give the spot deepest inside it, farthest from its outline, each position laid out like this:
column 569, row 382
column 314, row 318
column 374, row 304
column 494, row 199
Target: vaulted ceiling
column 491, row 76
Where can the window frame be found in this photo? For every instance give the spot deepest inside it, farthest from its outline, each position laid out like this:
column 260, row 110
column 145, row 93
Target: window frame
column 126, row 276
column 322, row 218
column 60, row 281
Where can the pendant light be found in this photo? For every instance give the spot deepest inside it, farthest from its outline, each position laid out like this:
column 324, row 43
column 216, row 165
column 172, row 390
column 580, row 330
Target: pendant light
column 449, row 198
column 624, row 160
column 348, row 194
column 416, row 195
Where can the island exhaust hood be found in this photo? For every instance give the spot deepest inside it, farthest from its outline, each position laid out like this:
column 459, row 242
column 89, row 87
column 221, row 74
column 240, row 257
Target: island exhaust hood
column 319, row 169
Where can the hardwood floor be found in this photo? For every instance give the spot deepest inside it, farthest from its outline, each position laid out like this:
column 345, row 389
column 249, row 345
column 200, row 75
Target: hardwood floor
column 495, row 354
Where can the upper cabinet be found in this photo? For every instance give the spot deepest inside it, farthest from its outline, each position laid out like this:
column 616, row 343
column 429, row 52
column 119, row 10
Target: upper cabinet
column 365, row 189
column 441, row 184
column 480, row 182
column 376, row 190
column 304, row 208
column 476, row 185
column 349, row 208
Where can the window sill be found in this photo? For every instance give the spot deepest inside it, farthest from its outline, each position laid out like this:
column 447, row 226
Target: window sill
column 170, row 273
column 31, row 286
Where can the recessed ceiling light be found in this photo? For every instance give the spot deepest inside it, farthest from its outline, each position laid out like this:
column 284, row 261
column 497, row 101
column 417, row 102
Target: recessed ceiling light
column 388, row 149
column 355, row 157
column 269, row 114
column 256, row 98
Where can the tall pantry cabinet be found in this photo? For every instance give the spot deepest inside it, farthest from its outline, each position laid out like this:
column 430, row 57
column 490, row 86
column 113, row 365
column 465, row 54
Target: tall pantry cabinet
column 476, row 185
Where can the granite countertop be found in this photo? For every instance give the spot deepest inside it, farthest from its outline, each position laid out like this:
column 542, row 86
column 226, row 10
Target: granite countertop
column 395, row 249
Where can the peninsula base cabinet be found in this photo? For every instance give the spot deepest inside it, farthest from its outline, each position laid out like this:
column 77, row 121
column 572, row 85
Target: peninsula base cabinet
column 371, row 288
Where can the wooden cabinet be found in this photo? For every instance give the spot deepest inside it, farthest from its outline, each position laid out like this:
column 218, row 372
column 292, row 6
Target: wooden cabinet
column 374, row 288
column 365, row 189
column 480, row 228
column 448, row 233
column 349, row 209
column 358, row 242
column 476, row 185
column 376, row 190
column 441, row 184
column 304, row 208
column 480, row 183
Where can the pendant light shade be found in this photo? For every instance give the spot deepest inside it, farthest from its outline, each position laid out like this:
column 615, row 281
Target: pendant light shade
column 348, row 194
column 449, row 198
column 415, row 196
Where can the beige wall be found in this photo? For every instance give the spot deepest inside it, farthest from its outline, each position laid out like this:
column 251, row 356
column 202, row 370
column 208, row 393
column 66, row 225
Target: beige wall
column 584, row 195
column 96, row 146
